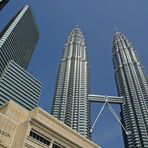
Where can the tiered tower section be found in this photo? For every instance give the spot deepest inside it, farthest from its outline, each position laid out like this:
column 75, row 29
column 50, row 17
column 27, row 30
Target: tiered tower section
column 132, row 84
column 71, row 103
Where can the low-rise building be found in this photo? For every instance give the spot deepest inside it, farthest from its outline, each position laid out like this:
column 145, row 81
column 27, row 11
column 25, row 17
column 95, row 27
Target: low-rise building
column 20, row 128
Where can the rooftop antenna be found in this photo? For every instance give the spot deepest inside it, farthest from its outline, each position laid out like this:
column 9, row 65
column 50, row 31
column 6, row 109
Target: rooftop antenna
column 115, row 28
column 77, row 24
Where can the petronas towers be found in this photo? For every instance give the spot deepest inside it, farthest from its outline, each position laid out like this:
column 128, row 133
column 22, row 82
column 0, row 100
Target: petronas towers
column 132, row 84
column 72, row 100
column 71, row 96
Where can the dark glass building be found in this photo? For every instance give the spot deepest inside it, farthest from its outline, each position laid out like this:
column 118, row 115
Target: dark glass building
column 3, row 3
column 18, row 39
column 71, row 104
column 17, row 42
column 132, row 84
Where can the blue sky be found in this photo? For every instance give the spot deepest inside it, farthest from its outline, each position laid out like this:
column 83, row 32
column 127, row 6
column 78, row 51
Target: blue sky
column 56, row 18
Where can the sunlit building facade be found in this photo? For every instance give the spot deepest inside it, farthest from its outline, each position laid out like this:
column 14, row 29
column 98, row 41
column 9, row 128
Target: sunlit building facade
column 70, row 104
column 20, row 128
column 132, row 84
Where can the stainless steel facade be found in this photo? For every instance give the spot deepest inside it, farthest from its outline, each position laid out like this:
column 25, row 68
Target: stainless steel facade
column 18, row 85
column 132, row 84
column 18, row 39
column 71, row 104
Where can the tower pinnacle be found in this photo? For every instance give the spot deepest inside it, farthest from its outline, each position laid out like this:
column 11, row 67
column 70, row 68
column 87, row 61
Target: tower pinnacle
column 116, row 30
column 77, row 24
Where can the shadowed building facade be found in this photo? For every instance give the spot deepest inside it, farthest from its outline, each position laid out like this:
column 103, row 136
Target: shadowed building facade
column 17, row 42
column 132, row 84
column 18, row 39
column 3, row 3
column 70, row 104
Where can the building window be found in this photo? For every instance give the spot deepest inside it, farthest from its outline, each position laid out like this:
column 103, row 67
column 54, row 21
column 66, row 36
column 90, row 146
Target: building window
column 56, row 146
column 39, row 138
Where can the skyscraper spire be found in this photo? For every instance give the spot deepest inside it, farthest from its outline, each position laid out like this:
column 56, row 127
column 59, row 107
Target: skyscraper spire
column 71, row 103
column 115, row 28
column 77, row 24
column 133, row 86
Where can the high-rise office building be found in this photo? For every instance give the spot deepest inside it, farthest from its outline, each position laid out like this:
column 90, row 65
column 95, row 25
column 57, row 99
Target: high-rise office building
column 18, row 39
column 17, row 42
column 3, row 3
column 71, row 103
column 132, row 84
column 18, row 85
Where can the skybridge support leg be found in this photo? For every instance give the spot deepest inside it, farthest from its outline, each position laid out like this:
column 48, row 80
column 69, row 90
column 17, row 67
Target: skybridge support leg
column 107, row 100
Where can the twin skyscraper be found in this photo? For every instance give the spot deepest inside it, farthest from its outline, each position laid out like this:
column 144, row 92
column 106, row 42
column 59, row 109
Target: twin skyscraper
column 72, row 96
column 71, row 103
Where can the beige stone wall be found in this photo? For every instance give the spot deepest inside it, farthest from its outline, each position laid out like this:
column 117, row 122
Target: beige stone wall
column 20, row 135
column 61, row 130
column 15, row 111
column 7, row 131
column 52, row 136
column 16, row 124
